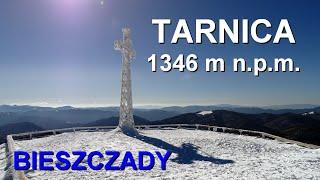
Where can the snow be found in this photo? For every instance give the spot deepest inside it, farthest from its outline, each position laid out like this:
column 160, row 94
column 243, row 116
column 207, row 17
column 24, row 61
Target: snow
column 3, row 161
column 308, row 113
column 205, row 112
column 196, row 155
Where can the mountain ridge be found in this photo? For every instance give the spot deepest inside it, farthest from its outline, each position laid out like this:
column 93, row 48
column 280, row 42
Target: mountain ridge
column 304, row 128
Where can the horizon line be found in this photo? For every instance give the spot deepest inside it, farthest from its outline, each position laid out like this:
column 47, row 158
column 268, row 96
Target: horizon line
column 150, row 106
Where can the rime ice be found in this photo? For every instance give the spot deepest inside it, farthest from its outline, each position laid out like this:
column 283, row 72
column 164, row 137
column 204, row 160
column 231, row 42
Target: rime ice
column 126, row 122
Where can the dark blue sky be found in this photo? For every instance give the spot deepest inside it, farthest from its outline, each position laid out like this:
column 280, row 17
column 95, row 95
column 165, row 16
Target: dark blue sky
column 60, row 52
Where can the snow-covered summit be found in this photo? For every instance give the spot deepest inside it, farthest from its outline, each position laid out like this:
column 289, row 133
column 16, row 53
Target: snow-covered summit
column 196, row 155
column 205, row 112
column 308, row 113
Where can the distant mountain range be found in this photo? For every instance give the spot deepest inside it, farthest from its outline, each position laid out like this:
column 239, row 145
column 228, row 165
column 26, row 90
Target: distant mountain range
column 299, row 124
column 67, row 116
column 177, row 109
column 51, row 118
column 113, row 121
column 14, row 128
column 301, row 127
column 244, row 109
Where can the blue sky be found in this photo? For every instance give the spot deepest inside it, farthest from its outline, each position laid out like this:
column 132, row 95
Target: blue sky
column 60, row 52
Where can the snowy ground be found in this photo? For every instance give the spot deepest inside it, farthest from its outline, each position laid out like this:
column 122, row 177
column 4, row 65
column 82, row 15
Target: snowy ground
column 196, row 155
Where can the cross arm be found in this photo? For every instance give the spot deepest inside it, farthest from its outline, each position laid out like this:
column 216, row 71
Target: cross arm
column 118, row 45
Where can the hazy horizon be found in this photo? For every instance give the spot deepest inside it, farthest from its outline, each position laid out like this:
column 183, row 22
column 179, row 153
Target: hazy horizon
column 150, row 106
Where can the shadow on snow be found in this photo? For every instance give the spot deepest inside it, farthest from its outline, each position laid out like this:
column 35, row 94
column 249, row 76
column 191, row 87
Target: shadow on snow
column 187, row 153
